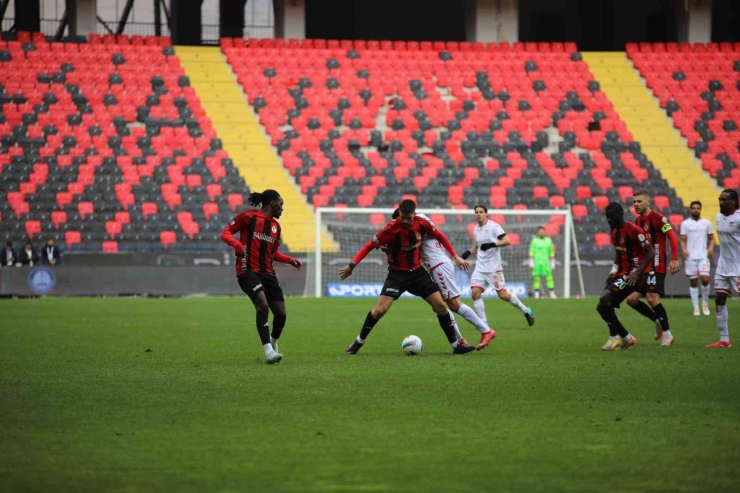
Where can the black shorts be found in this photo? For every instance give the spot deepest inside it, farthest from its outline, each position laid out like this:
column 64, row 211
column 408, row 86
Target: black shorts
column 654, row 283
column 620, row 290
column 253, row 283
column 417, row 282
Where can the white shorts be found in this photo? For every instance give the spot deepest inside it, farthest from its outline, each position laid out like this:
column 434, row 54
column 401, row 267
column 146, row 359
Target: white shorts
column 726, row 284
column 697, row 267
column 484, row 279
column 444, row 276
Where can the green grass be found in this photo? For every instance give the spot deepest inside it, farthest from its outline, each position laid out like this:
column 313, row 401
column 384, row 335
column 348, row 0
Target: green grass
column 173, row 395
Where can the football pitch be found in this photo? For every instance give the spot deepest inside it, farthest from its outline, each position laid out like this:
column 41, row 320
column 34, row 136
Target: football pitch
column 135, row 394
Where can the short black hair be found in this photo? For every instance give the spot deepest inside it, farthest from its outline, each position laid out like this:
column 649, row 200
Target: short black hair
column 264, row 198
column 614, row 209
column 10, row 244
column 407, row 206
column 482, row 207
column 396, row 213
column 541, row 227
column 695, row 202
column 733, row 195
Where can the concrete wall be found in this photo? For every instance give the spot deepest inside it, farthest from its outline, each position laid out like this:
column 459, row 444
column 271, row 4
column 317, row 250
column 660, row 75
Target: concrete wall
column 496, row 20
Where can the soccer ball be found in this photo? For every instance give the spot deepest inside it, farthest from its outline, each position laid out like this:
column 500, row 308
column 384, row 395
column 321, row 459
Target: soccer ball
column 412, row 346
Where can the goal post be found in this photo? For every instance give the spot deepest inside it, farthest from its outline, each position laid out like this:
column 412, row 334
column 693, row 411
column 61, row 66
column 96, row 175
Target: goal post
column 351, row 228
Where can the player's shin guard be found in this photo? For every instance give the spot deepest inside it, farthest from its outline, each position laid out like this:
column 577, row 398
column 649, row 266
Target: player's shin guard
column 446, row 324
column 278, row 323
column 643, row 309
column 515, row 302
column 469, row 315
column 263, row 326
column 369, row 324
column 723, row 318
column 662, row 317
column 480, row 310
column 609, row 315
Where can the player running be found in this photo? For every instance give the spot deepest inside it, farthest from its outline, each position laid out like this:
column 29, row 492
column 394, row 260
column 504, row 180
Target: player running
column 489, row 237
column 256, row 248
column 403, row 236
column 696, row 233
column 542, row 262
column 657, row 228
column 727, row 276
column 440, row 267
column 633, row 255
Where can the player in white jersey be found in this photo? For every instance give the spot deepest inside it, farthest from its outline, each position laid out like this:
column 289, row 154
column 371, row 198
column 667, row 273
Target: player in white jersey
column 697, row 243
column 727, row 276
column 440, row 267
column 489, row 237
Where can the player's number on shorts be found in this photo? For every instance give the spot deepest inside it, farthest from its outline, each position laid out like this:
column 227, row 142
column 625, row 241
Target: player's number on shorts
column 652, row 280
column 620, row 284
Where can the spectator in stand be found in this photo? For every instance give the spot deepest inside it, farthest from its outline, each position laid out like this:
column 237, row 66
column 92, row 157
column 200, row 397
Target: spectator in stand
column 50, row 254
column 10, row 257
column 28, row 255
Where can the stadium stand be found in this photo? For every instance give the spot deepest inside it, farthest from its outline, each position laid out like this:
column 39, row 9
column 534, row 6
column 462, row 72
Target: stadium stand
column 698, row 86
column 104, row 146
column 367, row 123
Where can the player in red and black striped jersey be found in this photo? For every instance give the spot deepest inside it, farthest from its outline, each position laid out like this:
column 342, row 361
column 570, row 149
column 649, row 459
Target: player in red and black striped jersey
column 658, row 230
column 403, row 238
column 256, row 249
column 633, row 256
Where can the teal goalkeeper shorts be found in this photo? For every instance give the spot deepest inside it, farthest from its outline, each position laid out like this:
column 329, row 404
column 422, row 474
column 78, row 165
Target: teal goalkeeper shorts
column 541, row 270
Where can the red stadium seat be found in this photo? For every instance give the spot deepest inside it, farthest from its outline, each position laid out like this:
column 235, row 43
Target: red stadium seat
column 235, row 200
column 167, row 238
column 72, row 237
column 85, row 208
column 210, row 209
column 113, row 228
column 110, row 247
column 58, row 217
column 33, row 228
column 602, row 240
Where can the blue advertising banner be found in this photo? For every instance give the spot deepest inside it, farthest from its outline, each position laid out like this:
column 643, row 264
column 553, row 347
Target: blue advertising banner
column 372, row 290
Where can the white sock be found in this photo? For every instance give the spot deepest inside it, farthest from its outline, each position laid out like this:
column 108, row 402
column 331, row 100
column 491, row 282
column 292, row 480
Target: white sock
column 268, row 348
column 722, row 317
column 360, row 340
column 469, row 315
column 667, row 333
column 453, row 345
column 515, row 301
column 694, row 297
column 705, row 294
column 627, row 337
column 273, row 342
column 480, row 309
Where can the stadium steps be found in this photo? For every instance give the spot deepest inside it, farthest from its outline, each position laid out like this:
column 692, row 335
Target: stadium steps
column 651, row 128
column 242, row 137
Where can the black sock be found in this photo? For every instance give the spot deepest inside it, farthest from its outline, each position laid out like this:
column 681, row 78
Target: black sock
column 367, row 326
column 609, row 315
column 446, row 323
column 278, row 322
column 644, row 310
column 263, row 326
column 662, row 316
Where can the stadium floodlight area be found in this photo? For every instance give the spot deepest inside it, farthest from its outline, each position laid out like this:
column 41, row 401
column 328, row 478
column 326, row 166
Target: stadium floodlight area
column 353, row 227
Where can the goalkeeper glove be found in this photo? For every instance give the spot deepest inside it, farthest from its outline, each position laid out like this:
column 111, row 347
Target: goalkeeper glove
column 465, row 255
column 531, row 263
column 552, row 263
column 487, row 246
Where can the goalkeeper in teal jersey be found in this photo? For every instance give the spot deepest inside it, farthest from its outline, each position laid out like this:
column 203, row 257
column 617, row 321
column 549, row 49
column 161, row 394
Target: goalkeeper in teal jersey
column 542, row 261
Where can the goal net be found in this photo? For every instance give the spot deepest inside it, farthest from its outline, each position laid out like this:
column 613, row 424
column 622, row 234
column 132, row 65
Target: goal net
column 351, row 228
